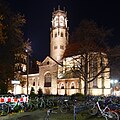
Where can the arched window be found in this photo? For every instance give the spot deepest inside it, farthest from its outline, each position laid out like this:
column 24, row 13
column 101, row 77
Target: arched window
column 55, row 34
column 72, row 86
column 48, row 62
column 33, row 83
column 61, row 34
column 47, row 80
column 62, row 86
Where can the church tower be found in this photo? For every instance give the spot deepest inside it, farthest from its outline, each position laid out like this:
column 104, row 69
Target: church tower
column 59, row 34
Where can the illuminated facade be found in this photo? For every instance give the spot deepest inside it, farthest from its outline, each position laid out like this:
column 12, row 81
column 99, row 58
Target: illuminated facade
column 33, row 82
column 71, row 75
column 55, row 71
column 58, row 75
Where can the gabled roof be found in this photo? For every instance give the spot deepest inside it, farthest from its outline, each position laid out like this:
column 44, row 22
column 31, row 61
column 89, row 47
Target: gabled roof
column 48, row 61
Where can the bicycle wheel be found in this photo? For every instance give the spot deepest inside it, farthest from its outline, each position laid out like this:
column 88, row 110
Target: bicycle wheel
column 63, row 109
column 50, row 103
column 4, row 109
column 41, row 105
column 111, row 115
column 93, row 111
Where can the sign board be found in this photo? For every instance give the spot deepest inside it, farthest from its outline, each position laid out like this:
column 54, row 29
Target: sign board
column 15, row 82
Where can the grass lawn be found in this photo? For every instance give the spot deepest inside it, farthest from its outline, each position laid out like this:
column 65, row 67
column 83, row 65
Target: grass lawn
column 40, row 115
column 70, row 116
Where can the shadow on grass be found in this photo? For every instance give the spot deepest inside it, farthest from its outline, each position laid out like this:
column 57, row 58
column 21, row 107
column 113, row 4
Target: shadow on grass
column 70, row 116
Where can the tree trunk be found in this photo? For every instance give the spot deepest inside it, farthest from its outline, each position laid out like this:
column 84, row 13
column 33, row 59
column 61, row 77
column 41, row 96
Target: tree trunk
column 86, row 75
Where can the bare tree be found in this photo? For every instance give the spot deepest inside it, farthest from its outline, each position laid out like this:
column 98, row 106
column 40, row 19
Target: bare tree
column 89, row 52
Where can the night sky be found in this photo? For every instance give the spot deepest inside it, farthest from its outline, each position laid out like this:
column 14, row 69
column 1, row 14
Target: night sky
column 38, row 14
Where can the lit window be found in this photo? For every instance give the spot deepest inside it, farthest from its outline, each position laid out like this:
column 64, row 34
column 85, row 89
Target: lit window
column 47, row 80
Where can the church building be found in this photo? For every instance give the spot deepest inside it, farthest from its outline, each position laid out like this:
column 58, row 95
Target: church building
column 64, row 75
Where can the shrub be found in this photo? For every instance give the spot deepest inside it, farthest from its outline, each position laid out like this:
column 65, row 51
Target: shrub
column 78, row 96
column 32, row 93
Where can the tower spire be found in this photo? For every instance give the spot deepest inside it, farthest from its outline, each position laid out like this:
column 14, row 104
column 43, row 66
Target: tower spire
column 58, row 7
column 54, row 9
column 64, row 8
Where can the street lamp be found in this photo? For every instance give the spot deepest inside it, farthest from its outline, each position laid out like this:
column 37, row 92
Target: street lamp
column 27, row 68
column 28, row 50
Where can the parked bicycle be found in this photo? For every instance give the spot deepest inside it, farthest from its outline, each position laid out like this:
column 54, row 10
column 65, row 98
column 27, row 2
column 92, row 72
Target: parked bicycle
column 45, row 103
column 4, row 109
column 100, row 107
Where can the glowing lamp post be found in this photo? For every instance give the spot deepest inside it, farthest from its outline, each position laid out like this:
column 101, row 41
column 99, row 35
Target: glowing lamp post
column 27, row 66
column 28, row 50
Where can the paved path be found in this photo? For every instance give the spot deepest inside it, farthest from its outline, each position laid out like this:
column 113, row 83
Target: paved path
column 35, row 115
